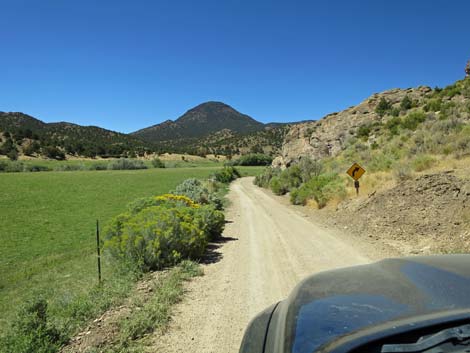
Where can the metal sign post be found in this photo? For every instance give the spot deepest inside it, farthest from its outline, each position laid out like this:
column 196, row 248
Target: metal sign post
column 98, row 249
column 356, row 185
column 355, row 172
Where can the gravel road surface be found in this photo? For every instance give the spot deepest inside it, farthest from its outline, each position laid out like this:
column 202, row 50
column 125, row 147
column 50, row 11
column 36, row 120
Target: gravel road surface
column 268, row 247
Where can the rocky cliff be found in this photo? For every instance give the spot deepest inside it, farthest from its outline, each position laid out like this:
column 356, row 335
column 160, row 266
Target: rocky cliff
column 328, row 136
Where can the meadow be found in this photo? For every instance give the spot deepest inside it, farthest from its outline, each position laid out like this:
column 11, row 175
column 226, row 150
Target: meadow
column 47, row 231
column 176, row 161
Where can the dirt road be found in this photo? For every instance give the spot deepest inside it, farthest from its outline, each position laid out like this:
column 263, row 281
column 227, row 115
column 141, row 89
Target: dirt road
column 268, row 248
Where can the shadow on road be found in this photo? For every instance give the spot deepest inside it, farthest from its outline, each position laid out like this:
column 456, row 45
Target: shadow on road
column 212, row 254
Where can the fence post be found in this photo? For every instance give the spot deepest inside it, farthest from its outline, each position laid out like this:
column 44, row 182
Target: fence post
column 98, row 250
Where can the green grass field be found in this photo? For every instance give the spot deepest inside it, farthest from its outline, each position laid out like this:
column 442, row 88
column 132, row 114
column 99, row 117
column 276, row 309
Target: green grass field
column 86, row 163
column 47, row 231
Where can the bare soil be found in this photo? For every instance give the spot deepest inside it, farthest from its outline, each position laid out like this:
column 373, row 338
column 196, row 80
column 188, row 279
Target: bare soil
column 425, row 215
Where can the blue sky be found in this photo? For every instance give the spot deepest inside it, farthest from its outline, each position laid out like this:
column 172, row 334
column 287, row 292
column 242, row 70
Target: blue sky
column 125, row 65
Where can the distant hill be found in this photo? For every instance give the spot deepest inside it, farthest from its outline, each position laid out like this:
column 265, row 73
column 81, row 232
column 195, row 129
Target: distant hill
column 215, row 128
column 203, row 120
column 225, row 142
column 209, row 128
column 31, row 136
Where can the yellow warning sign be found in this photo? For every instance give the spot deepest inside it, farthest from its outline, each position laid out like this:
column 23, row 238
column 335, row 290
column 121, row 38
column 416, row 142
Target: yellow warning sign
column 356, row 171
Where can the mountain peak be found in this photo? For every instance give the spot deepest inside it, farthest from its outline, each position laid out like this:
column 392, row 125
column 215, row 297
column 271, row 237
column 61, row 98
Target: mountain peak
column 200, row 121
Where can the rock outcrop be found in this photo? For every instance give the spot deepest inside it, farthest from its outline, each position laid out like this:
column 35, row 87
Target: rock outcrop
column 327, row 137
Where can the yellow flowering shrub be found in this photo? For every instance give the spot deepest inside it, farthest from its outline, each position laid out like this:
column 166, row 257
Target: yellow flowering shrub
column 176, row 199
column 160, row 231
column 166, row 200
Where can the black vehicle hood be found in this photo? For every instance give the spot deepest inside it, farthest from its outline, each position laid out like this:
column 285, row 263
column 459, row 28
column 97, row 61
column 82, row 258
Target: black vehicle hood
column 336, row 303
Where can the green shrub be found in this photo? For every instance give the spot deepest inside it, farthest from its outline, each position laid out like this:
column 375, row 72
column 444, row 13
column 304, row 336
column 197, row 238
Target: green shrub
column 277, row 186
column 406, row 103
column 98, row 166
column 393, row 125
column 32, row 148
column 32, row 331
column 12, row 166
column 13, row 155
column 291, row 177
column 309, row 168
column 69, row 167
column 126, row 164
column 321, row 188
column 158, row 163
column 160, row 231
column 395, row 112
column 196, row 191
column 383, row 107
column 210, row 220
column 412, row 120
column 253, row 159
column 363, row 131
column 263, row 179
column 156, row 237
column 53, row 153
column 451, row 91
column 166, row 200
column 226, row 175
column 36, row 168
column 433, row 105
column 422, row 162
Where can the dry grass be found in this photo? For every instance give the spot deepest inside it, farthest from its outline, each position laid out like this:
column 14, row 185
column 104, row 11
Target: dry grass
column 445, row 163
column 371, row 182
column 312, row 204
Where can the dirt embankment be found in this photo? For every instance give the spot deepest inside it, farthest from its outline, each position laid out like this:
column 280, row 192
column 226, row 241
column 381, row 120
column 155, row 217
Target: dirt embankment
column 427, row 214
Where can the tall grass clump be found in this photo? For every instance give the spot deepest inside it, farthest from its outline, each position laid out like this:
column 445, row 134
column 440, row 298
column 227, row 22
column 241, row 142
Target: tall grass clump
column 11, row 166
column 422, row 162
column 69, row 167
column 158, row 163
column 33, row 331
column 98, row 166
column 155, row 313
column 126, row 164
column 45, row 328
column 402, row 171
